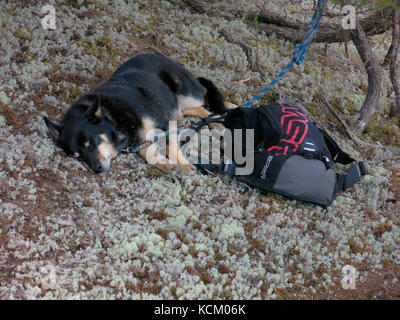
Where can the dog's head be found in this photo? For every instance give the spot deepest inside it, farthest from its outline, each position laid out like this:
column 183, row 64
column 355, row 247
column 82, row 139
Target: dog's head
column 90, row 137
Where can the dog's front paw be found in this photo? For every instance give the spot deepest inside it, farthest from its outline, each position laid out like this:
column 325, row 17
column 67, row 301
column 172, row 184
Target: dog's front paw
column 168, row 169
column 186, row 169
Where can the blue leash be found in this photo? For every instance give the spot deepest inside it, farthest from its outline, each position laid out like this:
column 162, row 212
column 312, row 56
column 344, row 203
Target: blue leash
column 298, row 57
column 300, row 51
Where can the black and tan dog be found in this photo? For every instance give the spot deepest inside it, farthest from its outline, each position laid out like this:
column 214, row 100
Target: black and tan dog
column 143, row 94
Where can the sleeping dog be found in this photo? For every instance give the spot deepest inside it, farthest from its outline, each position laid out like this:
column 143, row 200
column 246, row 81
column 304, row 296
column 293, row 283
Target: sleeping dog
column 143, row 94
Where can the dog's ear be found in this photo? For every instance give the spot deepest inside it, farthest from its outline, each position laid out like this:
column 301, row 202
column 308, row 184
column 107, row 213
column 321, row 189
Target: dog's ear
column 94, row 111
column 145, row 92
column 172, row 81
column 53, row 129
column 122, row 140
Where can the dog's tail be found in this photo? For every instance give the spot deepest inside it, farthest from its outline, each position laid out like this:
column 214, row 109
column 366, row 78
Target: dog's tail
column 214, row 99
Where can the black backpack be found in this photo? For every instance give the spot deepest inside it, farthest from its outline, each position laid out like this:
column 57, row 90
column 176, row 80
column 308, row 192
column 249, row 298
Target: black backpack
column 292, row 156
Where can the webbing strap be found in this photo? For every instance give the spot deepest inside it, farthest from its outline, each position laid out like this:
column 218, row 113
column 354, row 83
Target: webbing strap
column 355, row 173
column 346, row 181
column 224, row 168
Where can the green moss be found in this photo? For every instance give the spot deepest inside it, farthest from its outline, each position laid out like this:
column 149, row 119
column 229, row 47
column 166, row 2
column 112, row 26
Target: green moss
column 245, row 14
column 105, row 41
column 85, row 43
column 326, row 76
column 74, row 92
column 100, row 5
column 74, row 4
column 11, row 12
column 381, row 229
column 103, row 47
column 21, row 34
column 24, row 56
column 387, row 132
column 350, row 107
column 307, row 68
column 315, row 112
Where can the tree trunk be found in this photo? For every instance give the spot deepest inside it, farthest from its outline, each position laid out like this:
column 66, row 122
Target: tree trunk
column 395, row 107
column 370, row 104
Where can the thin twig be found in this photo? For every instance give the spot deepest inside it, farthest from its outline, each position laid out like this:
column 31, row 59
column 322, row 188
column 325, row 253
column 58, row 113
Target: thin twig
column 352, row 135
column 384, row 159
column 242, row 81
column 248, row 49
column 342, row 122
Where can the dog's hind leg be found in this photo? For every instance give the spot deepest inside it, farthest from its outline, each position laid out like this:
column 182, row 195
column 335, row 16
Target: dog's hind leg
column 214, row 98
column 197, row 112
column 229, row 105
column 191, row 106
column 203, row 112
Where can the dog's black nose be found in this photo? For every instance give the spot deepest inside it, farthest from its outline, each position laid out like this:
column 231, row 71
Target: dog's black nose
column 98, row 169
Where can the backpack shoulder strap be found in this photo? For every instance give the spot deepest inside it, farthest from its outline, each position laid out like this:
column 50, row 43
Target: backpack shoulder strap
column 344, row 181
column 224, row 168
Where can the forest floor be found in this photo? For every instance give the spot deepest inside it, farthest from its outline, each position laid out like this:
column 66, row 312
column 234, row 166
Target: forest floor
column 135, row 233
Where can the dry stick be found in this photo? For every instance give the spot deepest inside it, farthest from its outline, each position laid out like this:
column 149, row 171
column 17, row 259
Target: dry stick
column 368, row 58
column 242, row 81
column 331, row 134
column 346, row 48
column 383, row 159
column 345, row 126
column 351, row 134
column 248, row 49
column 311, row 117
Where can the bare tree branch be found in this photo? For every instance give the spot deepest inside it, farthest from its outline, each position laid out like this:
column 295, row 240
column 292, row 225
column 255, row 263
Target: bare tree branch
column 372, row 25
column 352, row 135
column 249, row 50
column 395, row 107
column 370, row 104
column 292, row 30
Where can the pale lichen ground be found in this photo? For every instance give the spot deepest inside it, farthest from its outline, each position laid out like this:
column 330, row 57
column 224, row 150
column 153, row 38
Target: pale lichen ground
column 135, row 233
